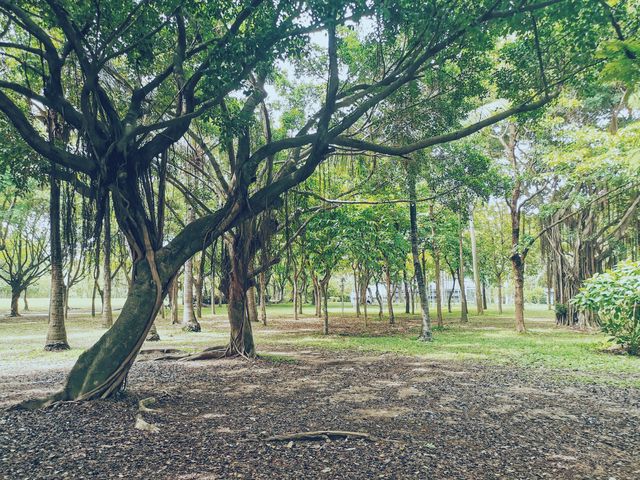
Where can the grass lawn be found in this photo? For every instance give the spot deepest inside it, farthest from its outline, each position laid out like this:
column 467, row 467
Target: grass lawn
column 488, row 338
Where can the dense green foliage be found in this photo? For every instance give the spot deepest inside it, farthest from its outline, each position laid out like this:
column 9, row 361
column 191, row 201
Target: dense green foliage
column 615, row 296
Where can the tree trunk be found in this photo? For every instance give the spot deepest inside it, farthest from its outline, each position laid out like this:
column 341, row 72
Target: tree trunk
column 263, row 298
column 173, row 300
column 199, row 287
column 252, row 307
column 153, row 335
column 241, row 341
column 296, row 295
column 392, row 317
column 499, row 296
column 464, row 312
column 426, row 334
column 107, row 312
column 236, row 285
column 94, row 292
column 484, row 296
column 518, row 280
column 24, row 298
column 189, row 321
column 474, row 260
column 438, row 274
column 317, row 295
column 407, row 295
column 379, row 300
column 324, row 293
column 102, row 370
column 357, row 292
column 453, row 288
column 15, row 298
column 56, row 332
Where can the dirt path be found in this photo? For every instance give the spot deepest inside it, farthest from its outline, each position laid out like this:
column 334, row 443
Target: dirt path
column 446, row 420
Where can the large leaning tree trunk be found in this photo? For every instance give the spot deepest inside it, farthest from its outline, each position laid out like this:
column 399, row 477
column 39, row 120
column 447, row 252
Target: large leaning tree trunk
column 425, row 334
column 56, row 332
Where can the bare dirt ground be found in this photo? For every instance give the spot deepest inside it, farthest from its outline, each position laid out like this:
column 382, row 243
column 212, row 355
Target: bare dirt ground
column 431, row 419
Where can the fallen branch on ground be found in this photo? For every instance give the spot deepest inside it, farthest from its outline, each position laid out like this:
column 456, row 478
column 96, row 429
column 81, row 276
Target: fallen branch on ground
column 320, row 435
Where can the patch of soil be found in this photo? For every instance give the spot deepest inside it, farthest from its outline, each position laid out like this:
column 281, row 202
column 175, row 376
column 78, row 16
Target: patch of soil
column 431, row 420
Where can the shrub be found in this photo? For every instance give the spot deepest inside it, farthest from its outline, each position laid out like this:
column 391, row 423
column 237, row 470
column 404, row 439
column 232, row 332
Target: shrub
column 615, row 297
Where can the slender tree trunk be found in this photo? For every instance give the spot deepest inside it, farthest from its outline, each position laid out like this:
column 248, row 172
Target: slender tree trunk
column 474, row 259
column 464, row 312
column 392, row 317
column 413, row 297
column 324, row 293
column 317, row 296
column 199, row 284
column 426, row 334
column 296, row 295
column 438, row 274
column 499, row 296
column 24, row 298
column 107, row 312
column 453, row 288
column 484, row 296
column 173, row 299
column 94, row 292
column 357, row 292
column 189, row 321
column 407, row 295
column 379, row 300
column 56, row 332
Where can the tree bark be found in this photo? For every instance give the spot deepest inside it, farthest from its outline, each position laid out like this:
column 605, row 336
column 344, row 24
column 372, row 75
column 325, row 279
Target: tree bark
column 474, row 260
column 499, row 296
column 24, row 298
column 189, row 321
column 392, row 317
column 107, row 312
column 15, row 298
column 263, row 298
column 199, row 286
column 407, row 295
column 252, row 307
column 464, row 312
column 324, row 293
column 426, row 334
column 56, row 332
column 173, row 300
column 437, row 271
column 453, row 287
column 518, row 280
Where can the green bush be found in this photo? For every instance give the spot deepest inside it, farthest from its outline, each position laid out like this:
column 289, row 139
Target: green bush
column 615, row 297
